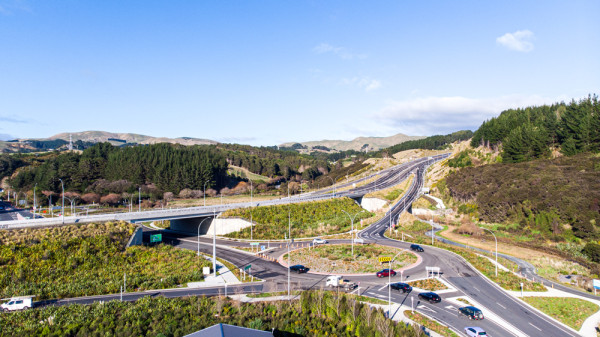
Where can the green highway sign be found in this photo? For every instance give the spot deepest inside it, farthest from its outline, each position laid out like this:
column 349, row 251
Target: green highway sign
column 254, row 243
column 155, row 238
column 247, row 267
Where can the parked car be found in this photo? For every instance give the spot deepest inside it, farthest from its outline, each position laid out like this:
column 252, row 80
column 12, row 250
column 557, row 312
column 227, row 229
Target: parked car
column 317, row 241
column 299, row 269
column 359, row 241
column 471, row 312
column 430, row 297
column 475, row 331
column 416, row 248
column 386, row 272
column 403, row 287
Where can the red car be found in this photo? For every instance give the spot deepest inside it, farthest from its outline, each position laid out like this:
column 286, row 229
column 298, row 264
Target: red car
column 386, row 273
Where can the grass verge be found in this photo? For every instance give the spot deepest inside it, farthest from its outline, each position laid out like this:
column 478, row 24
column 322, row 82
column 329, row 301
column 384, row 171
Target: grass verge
column 430, row 324
column 570, row 311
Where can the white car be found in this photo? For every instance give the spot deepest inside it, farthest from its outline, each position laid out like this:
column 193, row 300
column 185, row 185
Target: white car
column 317, row 241
column 475, row 331
column 359, row 241
column 17, row 303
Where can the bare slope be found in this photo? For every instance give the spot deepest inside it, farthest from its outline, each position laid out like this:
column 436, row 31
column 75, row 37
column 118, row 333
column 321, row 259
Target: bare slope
column 358, row 144
column 103, row 136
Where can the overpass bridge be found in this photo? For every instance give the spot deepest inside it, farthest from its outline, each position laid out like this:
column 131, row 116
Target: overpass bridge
column 187, row 219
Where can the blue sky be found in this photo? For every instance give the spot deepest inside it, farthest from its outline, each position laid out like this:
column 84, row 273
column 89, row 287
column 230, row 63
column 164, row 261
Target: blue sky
column 267, row 72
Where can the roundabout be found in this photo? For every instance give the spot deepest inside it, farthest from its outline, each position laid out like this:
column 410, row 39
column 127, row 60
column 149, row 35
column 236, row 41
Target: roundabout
column 337, row 259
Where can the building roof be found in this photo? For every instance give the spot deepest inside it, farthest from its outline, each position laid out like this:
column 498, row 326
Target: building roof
column 226, row 330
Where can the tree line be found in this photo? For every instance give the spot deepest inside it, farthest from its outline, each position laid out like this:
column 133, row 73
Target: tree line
column 167, row 167
column 528, row 133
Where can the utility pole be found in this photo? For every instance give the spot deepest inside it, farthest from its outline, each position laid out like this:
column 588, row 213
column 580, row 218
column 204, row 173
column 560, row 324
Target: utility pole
column 63, row 200
column 34, row 187
column 139, row 199
column 214, row 224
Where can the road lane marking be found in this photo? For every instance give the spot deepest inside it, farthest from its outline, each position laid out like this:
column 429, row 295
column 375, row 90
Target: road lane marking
column 476, row 288
column 449, row 307
column 535, row 326
column 501, row 305
column 380, row 289
column 422, row 307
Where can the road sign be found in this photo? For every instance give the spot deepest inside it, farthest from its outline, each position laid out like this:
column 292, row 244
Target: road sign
column 254, row 243
column 596, row 284
column 247, row 267
column 263, row 247
column 155, row 238
column 383, row 259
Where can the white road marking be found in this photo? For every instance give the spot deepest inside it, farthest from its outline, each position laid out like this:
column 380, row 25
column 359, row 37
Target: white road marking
column 381, row 296
column 501, row 305
column 449, row 307
column 380, row 289
column 422, row 307
column 535, row 326
column 476, row 289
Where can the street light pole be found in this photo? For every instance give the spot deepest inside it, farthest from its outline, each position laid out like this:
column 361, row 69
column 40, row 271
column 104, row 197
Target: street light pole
column 200, row 225
column 63, row 200
column 496, row 249
column 34, row 187
column 352, row 224
column 389, row 285
column 139, row 199
column 251, row 188
column 204, row 193
column 214, row 243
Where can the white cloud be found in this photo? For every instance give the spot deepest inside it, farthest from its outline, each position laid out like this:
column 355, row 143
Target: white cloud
column 519, row 40
column 442, row 115
column 342, row 52
column 362, row 82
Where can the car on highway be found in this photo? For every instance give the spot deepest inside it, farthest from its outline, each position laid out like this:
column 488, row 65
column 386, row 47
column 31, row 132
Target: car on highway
column 318, row 241
column 386, row 273
column 430, row 297
column 1, row 208
column 475, row 331
column 471, row 312
column 416, row 248
column 403, row 287
column 359, row 241
column 299, row 269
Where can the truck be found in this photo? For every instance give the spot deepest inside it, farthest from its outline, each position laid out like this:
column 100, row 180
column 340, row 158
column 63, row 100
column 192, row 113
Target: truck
column 337, row 281
column 17, row 303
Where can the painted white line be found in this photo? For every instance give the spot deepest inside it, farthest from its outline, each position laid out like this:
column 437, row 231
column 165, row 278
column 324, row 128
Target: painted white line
column 381, row 296
column 449, row 307
column 380, row 289
column 501, row 305
column 422, row 307
column 476, row 288
column 535, row 326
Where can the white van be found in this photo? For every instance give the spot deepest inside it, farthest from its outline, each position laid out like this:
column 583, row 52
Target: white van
column 17, row 303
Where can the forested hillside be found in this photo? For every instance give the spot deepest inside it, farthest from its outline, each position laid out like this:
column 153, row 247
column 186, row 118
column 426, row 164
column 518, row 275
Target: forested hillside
column 555, row 198
column 272, row 162
column 529, row 133
column 166, row 166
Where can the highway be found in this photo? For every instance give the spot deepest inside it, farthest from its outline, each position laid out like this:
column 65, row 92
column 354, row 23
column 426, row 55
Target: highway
column 505, row 315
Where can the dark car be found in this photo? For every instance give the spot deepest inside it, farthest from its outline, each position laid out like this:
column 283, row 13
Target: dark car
column 299, row 269
column 430, row 297
column 471, row 312
column 403, row 287
column 386, row 273
column 416, row 248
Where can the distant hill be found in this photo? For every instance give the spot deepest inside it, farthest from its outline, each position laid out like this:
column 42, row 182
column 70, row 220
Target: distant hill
column 357, row 144
column 122, row 138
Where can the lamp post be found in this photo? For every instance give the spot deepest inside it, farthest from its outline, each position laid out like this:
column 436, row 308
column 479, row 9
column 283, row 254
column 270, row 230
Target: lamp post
column 204, row 193
column 63, row 200
column 389, row 285
column 288, row 247
column 352, row 224
column 139, row 199
column 251, row 188
column 496, row 248
column 34, row 187
column 214, row 244
column 200, row 225
column 333, row 184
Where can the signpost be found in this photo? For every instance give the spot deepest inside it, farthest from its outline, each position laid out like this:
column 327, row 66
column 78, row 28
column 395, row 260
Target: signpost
column 254, row 244
column 155, row 238
column 596, row 284
column 263, row 247
column 248, row 270
column 383, row 259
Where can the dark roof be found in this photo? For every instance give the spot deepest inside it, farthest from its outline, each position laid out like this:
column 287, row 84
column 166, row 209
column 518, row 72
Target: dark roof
column 226, row 330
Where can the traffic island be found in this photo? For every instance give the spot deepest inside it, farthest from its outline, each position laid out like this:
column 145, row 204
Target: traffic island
column 337, row 259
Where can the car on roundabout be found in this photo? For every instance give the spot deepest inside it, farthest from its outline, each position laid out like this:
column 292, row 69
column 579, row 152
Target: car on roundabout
column 298, row 268
column 385, row 273
column 416, row 248
column 430, row 297
column 319, row 241
column 471, row 312
column 403, row 287
column 475, row 331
